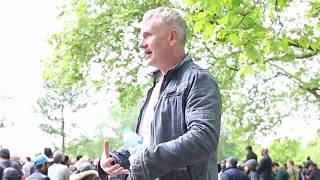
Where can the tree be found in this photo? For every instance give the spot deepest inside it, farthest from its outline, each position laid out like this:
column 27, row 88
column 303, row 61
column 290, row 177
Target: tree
column 98, row 37
column 262, row 63
column 263, row 56
column 283, row 150
column 53, row 106
column 312, row 149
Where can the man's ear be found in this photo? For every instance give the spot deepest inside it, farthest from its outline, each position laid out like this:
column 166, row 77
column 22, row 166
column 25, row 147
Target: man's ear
column 173, row 37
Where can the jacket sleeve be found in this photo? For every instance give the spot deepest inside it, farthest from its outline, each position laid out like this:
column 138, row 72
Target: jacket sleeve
column 200, row 142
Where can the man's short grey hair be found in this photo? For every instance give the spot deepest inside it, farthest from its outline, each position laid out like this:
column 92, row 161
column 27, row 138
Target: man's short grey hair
column 169, row 16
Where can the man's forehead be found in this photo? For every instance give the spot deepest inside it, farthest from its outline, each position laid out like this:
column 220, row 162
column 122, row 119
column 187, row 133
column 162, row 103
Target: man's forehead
column 150, row 24
column 146, row 27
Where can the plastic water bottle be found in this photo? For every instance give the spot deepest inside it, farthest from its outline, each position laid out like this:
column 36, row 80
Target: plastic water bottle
column 132, row 141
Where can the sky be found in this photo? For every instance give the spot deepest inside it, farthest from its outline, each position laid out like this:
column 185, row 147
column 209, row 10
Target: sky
column 24, row 28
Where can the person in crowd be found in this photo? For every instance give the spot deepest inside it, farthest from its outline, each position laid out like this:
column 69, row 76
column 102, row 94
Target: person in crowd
column 293, row 173
column 301, row 173
column 264, row 169
column 16, row 158
column 280, row 172
column 9, row 169
column 66, row 161
column 314, row 173
column 223, row 167
column 232, row 172
column 48, row 152
column 27, row 167
column 41, row 168
column 250, row 154
column 58, row 171
column 308, row 162
column 179, row 122
column 275, row 167
column 250, row 169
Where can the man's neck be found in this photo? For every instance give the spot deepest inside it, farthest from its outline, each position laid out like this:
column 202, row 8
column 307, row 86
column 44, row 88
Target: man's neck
column 176, row 59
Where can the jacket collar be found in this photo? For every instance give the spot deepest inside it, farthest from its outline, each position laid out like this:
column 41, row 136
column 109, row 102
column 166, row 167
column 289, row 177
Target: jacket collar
column 156, row 74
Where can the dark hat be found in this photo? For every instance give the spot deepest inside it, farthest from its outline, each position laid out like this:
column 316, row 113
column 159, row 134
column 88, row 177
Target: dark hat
column 5, row 153
column 232, row 161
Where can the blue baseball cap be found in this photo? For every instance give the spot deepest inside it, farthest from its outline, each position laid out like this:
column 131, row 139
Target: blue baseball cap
column 40, row 159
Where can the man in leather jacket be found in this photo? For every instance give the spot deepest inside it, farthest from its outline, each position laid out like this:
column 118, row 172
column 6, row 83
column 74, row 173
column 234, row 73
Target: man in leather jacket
column 180, row 120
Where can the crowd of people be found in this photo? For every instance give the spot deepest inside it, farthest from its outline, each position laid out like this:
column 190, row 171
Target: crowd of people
column 47, row 165
column 58, row 166
column 266, row 169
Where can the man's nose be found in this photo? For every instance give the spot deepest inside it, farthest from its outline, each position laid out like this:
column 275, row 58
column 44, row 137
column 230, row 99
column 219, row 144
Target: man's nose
column 142, row 44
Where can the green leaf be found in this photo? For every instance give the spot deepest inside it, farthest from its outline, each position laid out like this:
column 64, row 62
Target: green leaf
column 260, row 32
column 285, row 44
column 248, row 22
column 208, row 31
column 289, row 57
column 282, row 3
column 198, row 26
column 304, row 42
column 316, row 45
column 236, row 3
column 246, row 70
column 262, row 67
column 252, row 53
column 234, row 39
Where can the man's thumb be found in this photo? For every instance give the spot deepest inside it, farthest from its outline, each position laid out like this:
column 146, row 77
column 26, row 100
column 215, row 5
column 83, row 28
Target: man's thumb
column 106, row 147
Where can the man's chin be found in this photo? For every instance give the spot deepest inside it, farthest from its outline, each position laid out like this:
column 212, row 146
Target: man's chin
column 149, row 62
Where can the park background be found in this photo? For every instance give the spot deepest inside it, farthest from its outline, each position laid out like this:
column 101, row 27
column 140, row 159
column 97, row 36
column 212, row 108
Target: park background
column 72, row 74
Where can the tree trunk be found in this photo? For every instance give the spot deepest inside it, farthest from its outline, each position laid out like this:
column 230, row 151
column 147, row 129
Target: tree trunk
column 62, row 129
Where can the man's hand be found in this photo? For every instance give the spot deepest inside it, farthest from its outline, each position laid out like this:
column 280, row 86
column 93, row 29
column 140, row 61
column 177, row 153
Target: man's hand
column 107, row 163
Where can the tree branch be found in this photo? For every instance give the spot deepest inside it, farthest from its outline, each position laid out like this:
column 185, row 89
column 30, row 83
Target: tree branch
column 300, row 82
column 286, row 73
column 306, row 55
column 297, row 56
column 209, row 50
column 297, row 45
column 314, row 92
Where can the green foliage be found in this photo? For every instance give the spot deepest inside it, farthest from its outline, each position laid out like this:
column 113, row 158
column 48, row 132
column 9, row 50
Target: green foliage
column 99, row 36
column 247, row 45
column 227, row 148
column 312, row 149
column 53, row 105
column 282, row 151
